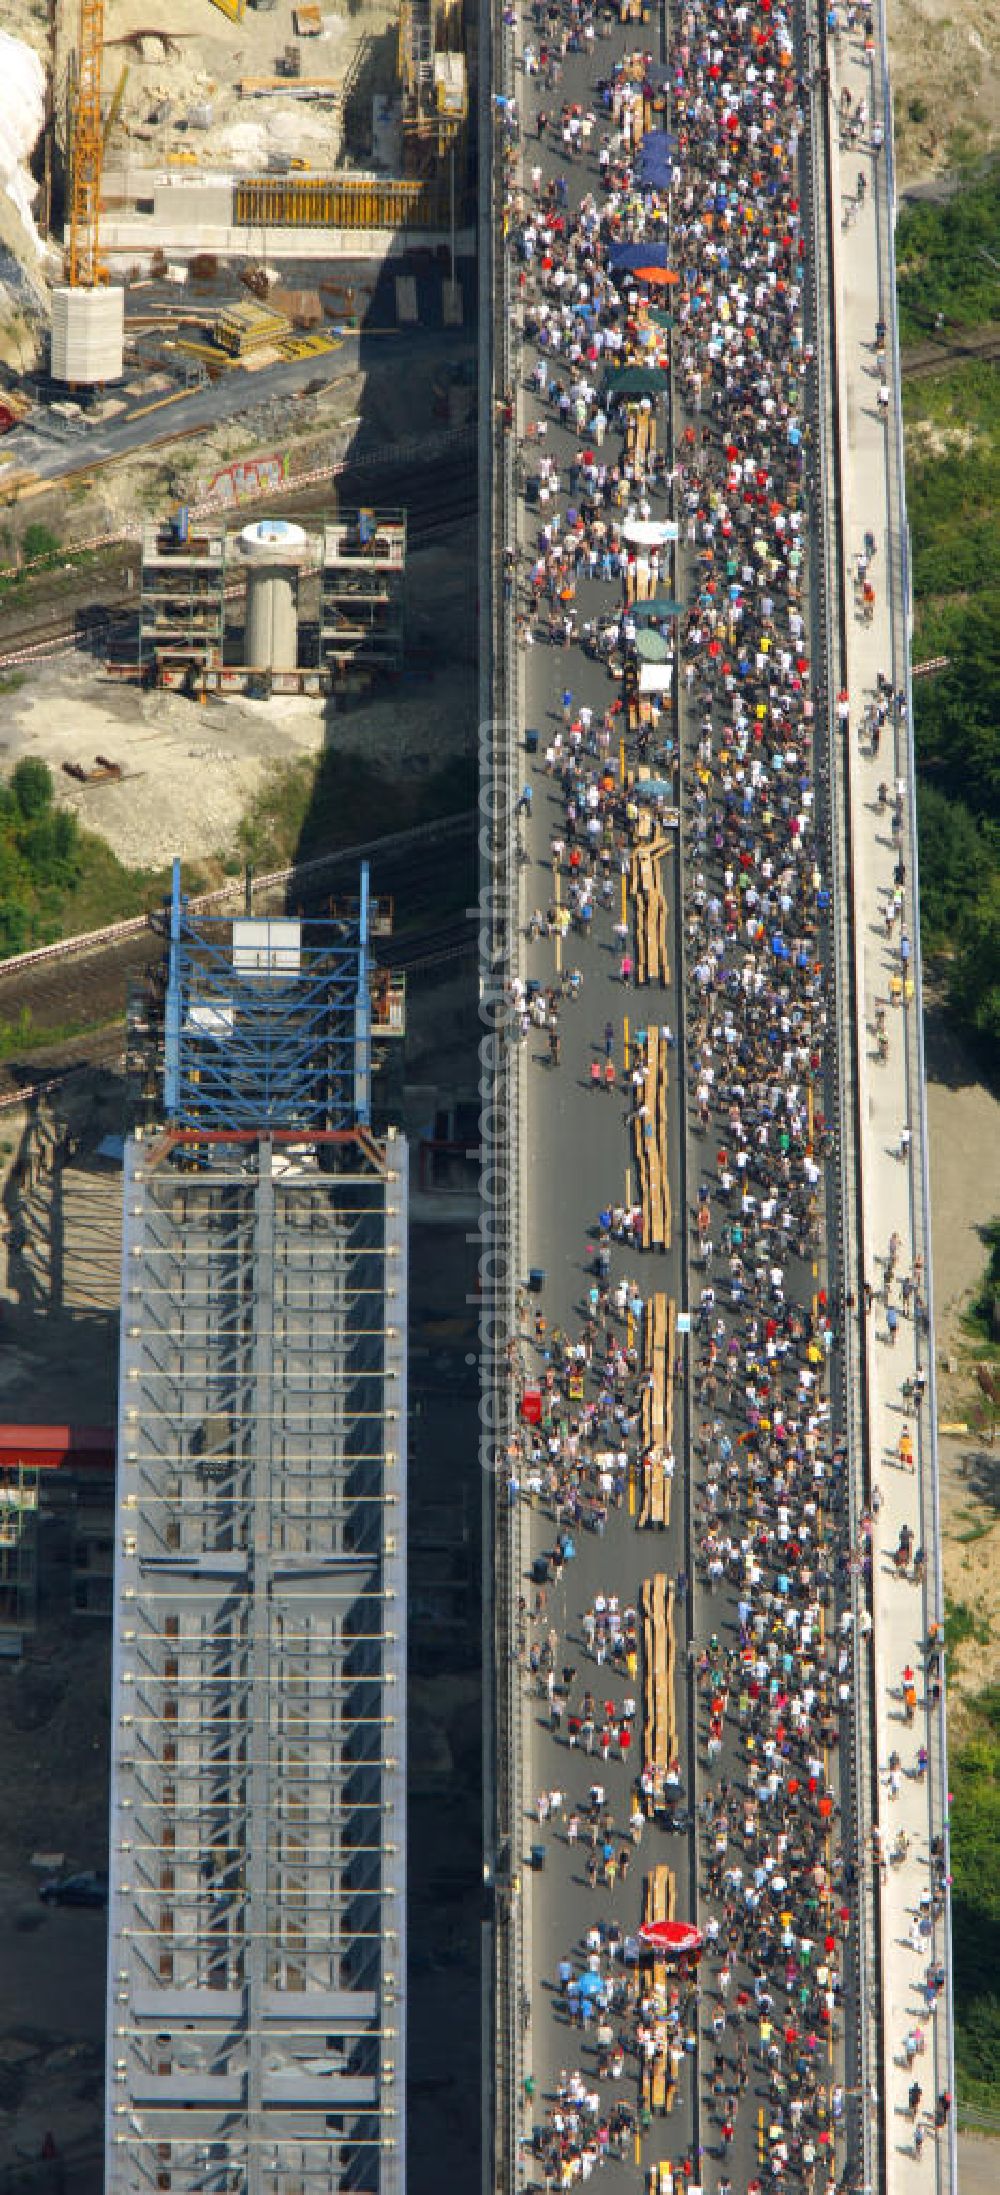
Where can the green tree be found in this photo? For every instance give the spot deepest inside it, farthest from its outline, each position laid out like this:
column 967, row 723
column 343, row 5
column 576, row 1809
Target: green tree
column 955, row 862
column 31, row 785
column 943, row 256
column 39, row 541
column 975, row 978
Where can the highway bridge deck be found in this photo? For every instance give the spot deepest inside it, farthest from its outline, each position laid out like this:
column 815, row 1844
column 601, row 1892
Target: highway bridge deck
column 720, row 1517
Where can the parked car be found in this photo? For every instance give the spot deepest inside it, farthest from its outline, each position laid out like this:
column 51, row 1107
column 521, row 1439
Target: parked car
column 88, row 1889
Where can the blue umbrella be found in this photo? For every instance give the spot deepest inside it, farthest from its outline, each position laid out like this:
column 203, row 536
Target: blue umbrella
column 591, row 1985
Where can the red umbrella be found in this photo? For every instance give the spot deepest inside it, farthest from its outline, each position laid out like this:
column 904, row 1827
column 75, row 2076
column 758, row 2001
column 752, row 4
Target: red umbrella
column 675, row 1936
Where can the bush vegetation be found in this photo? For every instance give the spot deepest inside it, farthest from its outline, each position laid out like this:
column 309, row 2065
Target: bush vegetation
column 974, row 1770
column 943, row 258
column 39, row 856
column 949, row 263
column 55, row 878
column 953, row 492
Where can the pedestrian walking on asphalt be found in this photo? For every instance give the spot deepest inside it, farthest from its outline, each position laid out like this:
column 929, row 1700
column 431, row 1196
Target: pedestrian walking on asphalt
column 609, row 1039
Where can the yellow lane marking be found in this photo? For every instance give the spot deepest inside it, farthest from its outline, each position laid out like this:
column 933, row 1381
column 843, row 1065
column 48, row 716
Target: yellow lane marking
column 555, row 896
column 626, row 1044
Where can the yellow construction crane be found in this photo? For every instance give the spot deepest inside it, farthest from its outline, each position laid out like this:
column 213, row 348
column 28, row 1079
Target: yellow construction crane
column 114, row 111
column 86, row 268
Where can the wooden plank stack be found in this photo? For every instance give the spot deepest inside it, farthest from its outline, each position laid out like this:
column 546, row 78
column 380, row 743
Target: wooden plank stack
column 659, row 1903
column 640, row 438
column 659, row 1663
column 651, row 963
column 650, row 1144
column 659, row 1332
column 640, row 584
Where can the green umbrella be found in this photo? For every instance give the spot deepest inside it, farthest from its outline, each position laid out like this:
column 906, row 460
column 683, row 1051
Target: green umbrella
column 659, row 605
column 651, row 647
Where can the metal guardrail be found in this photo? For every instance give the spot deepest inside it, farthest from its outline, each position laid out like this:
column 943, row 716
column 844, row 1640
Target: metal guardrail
column 845, row 1205
column 901, row 613
column 504, row 2022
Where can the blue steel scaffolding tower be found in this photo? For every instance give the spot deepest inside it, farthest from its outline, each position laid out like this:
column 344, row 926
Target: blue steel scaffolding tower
column 268, row 1020
column 258, row 1804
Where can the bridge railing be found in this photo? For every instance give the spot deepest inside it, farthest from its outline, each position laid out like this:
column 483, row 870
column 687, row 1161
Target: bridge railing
column 845, row 1209
column 901, row 610
column 506, row 1996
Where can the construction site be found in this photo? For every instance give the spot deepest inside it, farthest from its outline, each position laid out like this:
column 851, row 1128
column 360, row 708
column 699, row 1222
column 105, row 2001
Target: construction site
column 237, row 328
column 236, row 142
column 257, row 1849
column 203, row 1661
column 313, row 609
column 237, row 354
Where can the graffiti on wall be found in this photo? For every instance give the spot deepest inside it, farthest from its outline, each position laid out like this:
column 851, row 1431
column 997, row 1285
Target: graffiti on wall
column 247, row 477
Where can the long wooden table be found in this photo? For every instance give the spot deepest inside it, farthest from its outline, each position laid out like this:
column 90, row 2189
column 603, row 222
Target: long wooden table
column 659, row 1903
column 651, row 962
column 659, row 1663
column 656, row 1413
column 650, row 1144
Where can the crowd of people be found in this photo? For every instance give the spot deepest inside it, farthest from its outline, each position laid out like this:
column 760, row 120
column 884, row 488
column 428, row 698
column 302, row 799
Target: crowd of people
column 774, row 1544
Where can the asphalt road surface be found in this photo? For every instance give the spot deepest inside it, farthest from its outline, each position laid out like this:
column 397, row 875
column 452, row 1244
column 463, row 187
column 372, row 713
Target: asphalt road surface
column 577, row 1144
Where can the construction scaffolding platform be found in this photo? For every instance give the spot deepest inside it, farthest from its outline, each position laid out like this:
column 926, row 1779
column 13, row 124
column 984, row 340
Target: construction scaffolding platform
column 182, row 600
column 18, row 1550
column 339, row 202
column 268, row 1019
column 432, row 74
column 258, row 1804
column 349, row 586
column 361, row 590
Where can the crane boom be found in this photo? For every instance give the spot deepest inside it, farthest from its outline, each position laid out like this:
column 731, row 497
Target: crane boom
column 85, row 265
column 115, row 108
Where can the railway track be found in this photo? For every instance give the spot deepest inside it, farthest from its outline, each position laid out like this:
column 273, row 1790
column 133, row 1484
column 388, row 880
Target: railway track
column 424, row 950
column 83, row 985
column 85, row 625
column 924, row 359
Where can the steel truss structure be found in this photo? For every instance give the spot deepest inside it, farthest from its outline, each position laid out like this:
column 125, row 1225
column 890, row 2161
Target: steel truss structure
column 258, row 1803
column 268, row 1020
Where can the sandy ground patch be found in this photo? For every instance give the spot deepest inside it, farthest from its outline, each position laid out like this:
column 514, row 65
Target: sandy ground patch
column 192, row 771
column 964, row 1126
column 977, row 2165
column 945, row 65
